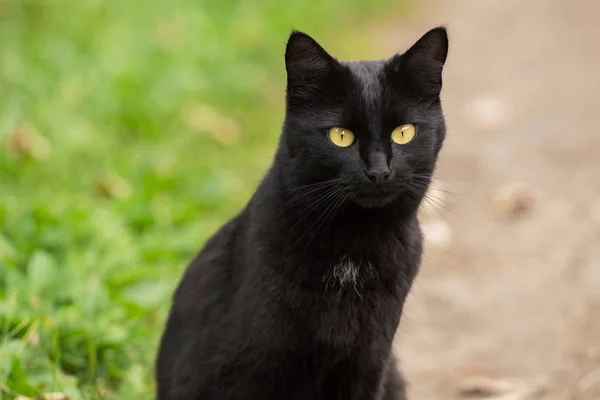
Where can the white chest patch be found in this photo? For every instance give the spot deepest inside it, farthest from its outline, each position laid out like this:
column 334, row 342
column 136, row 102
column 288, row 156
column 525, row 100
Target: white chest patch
column 347, row 272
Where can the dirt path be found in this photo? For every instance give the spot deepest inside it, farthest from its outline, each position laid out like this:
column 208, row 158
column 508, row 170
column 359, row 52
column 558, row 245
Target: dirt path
column 517, row 299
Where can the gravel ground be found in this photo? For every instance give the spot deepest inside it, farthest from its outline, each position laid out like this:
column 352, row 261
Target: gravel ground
column 508, row 301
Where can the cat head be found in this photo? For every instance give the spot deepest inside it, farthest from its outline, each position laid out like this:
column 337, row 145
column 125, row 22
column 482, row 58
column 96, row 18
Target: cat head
column 372, row 128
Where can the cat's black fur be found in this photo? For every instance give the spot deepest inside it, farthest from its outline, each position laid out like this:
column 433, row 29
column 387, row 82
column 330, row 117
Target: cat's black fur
column 299, row 295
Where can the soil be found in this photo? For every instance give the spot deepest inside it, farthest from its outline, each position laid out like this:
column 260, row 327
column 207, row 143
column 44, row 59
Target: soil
column 508, row 298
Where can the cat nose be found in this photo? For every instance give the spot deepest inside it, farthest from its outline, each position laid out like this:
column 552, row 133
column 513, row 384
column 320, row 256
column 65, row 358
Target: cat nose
column 378, row 175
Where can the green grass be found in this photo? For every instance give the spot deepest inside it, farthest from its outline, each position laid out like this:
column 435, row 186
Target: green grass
column 129, row 131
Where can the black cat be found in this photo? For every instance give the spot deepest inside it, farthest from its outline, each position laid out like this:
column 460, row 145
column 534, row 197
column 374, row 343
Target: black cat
column 299, row 295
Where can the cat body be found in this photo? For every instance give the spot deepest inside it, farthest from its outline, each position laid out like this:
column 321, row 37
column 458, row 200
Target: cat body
column 299, row 295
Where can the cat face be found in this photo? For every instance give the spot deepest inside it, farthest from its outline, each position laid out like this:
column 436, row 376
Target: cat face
column 374, row 128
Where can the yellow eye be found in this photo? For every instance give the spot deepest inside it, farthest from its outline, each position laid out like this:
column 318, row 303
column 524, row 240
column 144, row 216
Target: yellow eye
column 341, row 137
column 404, row 133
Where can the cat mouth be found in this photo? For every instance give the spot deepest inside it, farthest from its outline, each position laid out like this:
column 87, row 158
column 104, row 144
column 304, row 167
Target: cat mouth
column 375, row 198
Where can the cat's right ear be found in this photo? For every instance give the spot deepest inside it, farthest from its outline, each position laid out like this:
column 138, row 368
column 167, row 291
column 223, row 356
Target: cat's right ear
column 305, row 59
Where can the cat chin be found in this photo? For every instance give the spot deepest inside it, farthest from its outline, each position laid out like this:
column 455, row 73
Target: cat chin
column 377, row 201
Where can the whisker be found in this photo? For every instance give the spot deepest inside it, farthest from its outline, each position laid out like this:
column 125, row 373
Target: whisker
column 426, row 214
column 311, row 190
column 337, row 202
column 325, row 214
column 332, row 192
column 434, row 201
column 340, row 205
column 436, row 180
column 326, row 211
column 437, row 186
column 423, row 185
column 318, row 197
column 446, row 178
column 311, row 185
column 428, row 201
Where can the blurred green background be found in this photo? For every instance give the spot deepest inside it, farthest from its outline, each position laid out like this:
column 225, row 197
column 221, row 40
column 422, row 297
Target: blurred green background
column 129, row 132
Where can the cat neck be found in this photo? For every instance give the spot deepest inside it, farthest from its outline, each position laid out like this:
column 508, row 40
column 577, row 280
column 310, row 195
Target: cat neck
column 311, row 249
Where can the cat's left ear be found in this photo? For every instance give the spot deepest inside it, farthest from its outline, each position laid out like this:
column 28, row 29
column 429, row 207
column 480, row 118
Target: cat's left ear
column 425, row 60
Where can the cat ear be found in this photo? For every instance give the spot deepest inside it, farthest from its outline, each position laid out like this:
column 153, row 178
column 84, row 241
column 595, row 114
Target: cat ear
column 305, row 58
column 433, row 46
column 425, row 60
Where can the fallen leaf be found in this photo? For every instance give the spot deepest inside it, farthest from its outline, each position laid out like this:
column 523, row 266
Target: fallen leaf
column 56, row 396
column 483, row 386
column 203, row 118
column 26, row 142
column 512, row 200
column 113, row 187
column 48, row 396
column 494, row 388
